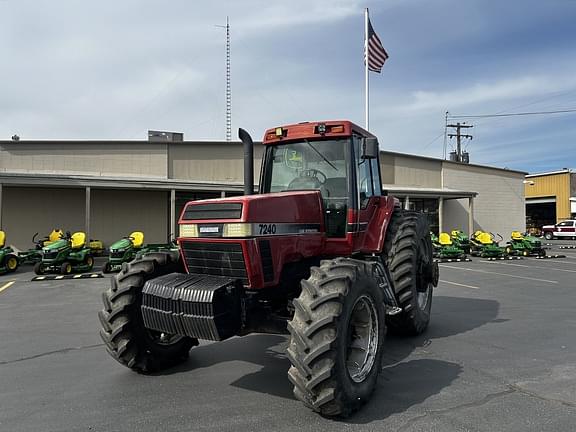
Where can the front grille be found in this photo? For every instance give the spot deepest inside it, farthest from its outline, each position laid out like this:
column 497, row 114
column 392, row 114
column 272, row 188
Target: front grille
column 117, row 254
column 216, row 259
column 213, row 211
column 266, row 258
column 50, row 255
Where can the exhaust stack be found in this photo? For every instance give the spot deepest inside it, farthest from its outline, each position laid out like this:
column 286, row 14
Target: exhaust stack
column 248, row 161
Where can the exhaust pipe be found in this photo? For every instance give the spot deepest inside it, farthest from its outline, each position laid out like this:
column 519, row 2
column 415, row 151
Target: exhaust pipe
column 248, row 161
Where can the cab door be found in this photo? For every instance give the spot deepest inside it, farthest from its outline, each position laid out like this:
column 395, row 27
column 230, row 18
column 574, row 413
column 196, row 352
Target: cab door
column 369, row 192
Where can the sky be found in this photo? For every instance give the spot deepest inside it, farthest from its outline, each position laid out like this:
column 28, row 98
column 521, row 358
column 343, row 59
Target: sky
column 73, row 69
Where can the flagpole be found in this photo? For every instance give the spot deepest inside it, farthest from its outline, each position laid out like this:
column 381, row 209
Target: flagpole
column 366, row 75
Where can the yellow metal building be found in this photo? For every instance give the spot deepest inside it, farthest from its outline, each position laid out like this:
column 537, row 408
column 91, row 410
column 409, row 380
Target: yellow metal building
column 550, row 197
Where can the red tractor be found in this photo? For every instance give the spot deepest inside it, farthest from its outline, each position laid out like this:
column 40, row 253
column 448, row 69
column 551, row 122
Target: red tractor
column 321, row 253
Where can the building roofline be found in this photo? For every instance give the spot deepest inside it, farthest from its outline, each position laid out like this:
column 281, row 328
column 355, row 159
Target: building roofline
column 562, row 171
column 430, row 158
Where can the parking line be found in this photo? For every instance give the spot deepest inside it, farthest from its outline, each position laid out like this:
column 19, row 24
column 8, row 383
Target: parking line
column 458, row 284
column 6, row 285
column 501, row 274
column 531, row 266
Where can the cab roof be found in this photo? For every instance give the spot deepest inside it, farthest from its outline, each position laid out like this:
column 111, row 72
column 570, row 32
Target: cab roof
column 313, row 130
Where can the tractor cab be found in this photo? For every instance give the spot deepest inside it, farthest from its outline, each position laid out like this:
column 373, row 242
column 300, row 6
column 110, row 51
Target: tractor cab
column 338, row 159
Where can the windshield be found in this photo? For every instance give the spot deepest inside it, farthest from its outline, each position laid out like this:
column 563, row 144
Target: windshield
column 309, row 165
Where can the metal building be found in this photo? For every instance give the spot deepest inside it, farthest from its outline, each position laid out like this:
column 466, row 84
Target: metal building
column 110, row 188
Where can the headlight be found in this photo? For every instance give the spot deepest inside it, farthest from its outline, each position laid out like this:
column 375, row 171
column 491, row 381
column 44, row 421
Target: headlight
column 188, row 230
column 237, row 230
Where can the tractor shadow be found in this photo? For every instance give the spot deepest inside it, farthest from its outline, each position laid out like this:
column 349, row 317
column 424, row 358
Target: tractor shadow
column 402, row 384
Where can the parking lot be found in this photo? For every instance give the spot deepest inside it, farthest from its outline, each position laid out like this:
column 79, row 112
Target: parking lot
column 500, row 355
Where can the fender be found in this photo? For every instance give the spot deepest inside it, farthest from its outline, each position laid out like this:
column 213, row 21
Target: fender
column 378, row 225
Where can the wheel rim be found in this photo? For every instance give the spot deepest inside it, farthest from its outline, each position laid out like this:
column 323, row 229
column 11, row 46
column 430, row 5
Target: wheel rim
column 68, row 268
column 90, row 261
column 363, row 337
column 164, row 339
column 423, row 297
column 12, row 263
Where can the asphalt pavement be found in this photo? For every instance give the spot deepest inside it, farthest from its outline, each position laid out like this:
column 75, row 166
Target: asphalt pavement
column 500, row 355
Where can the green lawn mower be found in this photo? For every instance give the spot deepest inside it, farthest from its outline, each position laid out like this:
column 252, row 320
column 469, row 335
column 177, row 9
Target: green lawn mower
column 484, row 245
column 8, row 259
column 124, row 250
column 158, row 247
column 34, row 255
column 524, row 245
column 461, row 240
column 67, row 255
column 445, row 248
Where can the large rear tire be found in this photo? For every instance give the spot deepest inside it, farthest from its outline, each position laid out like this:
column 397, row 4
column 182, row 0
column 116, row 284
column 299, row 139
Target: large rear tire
column 337, row 337
column 408, row 255
column 127, row 340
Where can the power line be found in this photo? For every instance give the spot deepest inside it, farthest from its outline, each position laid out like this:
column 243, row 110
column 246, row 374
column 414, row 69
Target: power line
column 572, row 110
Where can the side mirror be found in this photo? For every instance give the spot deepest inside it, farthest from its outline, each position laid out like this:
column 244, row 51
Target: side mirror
column 370, row 148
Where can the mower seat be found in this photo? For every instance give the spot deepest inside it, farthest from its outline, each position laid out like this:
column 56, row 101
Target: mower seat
column 454, row 233
column 78, row 240
column 517, row 235
column 2, row 238
column 444, row 239
column 484, row 238
column 137, row 238
column 55, row 235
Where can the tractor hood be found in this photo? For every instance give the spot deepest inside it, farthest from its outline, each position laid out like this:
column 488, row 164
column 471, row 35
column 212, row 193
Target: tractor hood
column 121, row 244
column 57, row 245
column 293, row 212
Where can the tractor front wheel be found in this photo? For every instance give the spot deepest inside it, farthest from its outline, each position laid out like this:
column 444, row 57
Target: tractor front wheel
column 408, row 254
column 39, row 268
column 66, row 268
column 337, row 337
column 127, row 340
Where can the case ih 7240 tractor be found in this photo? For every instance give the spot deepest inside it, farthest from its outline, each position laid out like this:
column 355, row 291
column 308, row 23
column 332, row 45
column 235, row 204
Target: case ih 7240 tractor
column 320, row 253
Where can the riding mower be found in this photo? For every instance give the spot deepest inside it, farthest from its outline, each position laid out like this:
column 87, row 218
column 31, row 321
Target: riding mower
column 8, row 259
column 483, row 244
column 34, row 255
column 171, row 246
column 66, row 255
column 461, row 240
column 124, row 250
column 524, row 245
column 445, row 248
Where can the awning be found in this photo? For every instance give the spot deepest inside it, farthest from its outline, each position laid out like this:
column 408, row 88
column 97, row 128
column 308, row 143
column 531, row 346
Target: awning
column 424, row 192
column 546, row 200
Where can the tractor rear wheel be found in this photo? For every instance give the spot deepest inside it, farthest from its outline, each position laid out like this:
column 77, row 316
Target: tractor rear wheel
column 408, row 255
column 337, row 337
column 127, row 340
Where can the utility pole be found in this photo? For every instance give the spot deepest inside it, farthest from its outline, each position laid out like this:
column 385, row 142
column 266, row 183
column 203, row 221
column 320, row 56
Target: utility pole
column 458, row 155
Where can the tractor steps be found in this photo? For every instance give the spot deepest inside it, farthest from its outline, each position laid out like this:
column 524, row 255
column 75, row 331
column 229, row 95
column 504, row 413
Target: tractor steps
column 449, row 260
column 71, row 276
column 549, row 256
column 507, row 258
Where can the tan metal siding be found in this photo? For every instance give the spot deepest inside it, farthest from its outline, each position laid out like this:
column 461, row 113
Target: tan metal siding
column 499, row 206
column 86, row 158
column 26, row 211
column 116, row 213
column 410, row 171
column 553, row 185
column 211, row 162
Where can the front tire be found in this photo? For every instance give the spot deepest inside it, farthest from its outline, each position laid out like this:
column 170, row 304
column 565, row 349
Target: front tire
column 39, row 268
column 11, row 263
column 408, row 251
column 548, row 236
column 127, row 340
column 337, row 337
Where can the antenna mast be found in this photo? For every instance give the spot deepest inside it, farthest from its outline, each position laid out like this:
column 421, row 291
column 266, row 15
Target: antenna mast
column 228, row 87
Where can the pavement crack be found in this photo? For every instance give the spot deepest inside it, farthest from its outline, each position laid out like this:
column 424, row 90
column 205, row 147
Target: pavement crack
column 60, row 351
column 474, row 404
column 544, row 398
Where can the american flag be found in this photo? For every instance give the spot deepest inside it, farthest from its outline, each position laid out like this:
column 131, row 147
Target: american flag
column 377, row 55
